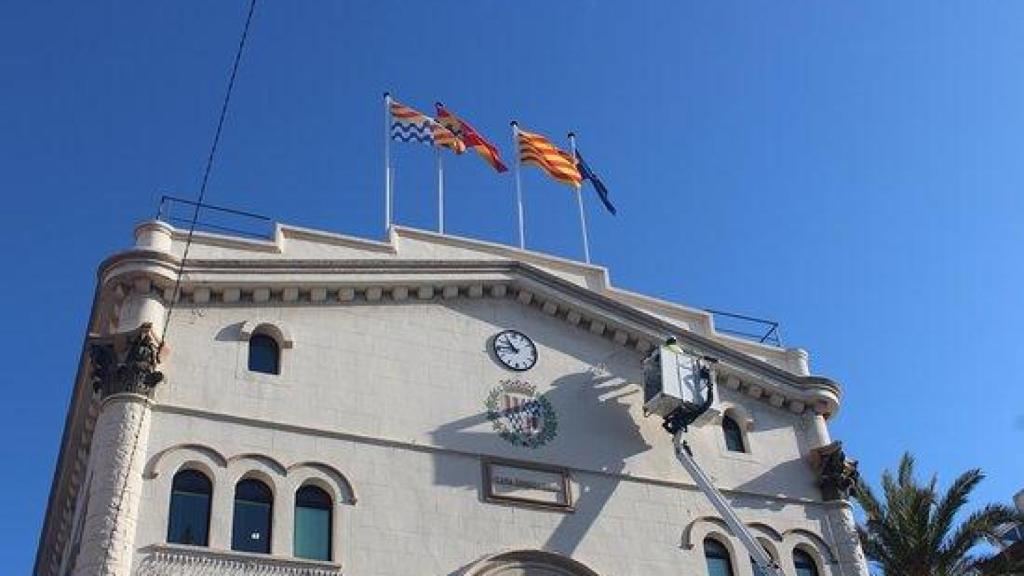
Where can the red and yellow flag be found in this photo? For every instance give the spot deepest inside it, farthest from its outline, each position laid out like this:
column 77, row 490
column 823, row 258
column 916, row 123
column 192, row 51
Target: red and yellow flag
column 409, row 125
column 470, row 137
column 539, row 151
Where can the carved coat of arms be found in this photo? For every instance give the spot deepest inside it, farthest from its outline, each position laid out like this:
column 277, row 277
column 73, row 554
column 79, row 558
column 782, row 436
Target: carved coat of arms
column 521, row 416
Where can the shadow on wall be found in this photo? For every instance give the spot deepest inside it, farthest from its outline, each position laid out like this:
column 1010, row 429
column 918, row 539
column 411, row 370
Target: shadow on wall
column 791, row 478
column 595, row 432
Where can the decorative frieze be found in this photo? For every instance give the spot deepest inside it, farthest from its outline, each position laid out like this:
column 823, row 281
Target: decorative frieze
column 193, row 561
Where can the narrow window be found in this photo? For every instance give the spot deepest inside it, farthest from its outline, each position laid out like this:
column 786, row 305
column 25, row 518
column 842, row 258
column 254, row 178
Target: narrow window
column 189, row 519
column 251, row 527
column 264, row 354
column 312, row 523
column 805, row 565
column 733, row 435
column 753, row 565
column 717, row 558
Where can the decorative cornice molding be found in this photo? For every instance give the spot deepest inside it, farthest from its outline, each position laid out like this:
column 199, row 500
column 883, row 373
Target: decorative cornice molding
column 187, row 560
column 348, row 282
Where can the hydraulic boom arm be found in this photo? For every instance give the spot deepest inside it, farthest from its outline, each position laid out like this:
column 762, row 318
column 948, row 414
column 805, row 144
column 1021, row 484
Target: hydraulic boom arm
column 761, row 558
column 679, row 387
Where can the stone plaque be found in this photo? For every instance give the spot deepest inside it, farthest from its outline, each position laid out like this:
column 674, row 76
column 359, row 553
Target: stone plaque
column 527, row 484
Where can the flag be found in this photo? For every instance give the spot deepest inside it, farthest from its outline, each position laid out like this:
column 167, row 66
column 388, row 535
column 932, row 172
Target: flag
column 470, row 137
column 599, row 187
column 539, row 151
column 408, row 125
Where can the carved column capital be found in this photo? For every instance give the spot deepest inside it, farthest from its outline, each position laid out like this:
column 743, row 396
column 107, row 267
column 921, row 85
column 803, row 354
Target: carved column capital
column 837, row 474
column 125, row 362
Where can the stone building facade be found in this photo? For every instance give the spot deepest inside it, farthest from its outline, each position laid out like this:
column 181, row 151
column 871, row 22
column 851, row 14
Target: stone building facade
column 441, row 446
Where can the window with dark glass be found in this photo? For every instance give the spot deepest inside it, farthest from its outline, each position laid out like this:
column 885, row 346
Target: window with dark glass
column 312, row 523
column 756, row 569
column 804, row 564
column 253, row 510
column 717, row 558
column 733, row 435
column 189, row 518
column 264, row 354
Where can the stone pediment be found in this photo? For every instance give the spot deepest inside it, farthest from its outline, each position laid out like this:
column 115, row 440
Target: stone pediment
column 301, row 267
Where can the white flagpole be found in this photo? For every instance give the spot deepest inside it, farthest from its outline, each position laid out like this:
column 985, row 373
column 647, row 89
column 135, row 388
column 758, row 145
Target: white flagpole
column 579, row 201
column 519, row 185
column 440, row 191
column 387, row 162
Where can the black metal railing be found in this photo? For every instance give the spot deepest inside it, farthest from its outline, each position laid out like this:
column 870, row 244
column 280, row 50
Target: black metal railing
column 759, row 330
column 217, row 219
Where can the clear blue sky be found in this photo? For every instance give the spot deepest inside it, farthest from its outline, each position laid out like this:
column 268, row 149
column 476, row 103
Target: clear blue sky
column 851, row 169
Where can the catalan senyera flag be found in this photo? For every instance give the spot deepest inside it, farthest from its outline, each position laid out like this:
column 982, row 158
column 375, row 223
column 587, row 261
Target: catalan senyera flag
column 408, row 125
column 539, row 151
column 470, row 137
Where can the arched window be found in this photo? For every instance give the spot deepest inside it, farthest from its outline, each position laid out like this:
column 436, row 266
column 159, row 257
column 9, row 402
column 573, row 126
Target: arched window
column 264, row 354
column 312, row 523
column 189, row 518
column 733, row 434
column 753, row 565
column 253, row 510
column 805, row 565
column 717, row 558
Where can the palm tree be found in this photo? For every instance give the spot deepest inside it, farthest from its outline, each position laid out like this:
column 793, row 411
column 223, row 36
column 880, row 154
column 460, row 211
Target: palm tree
column 914, row 532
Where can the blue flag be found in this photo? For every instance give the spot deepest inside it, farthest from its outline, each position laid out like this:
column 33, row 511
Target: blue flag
column 588, row 174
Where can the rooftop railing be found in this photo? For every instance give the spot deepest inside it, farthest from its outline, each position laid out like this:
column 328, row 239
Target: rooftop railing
column 216, row 219
column 758, row 330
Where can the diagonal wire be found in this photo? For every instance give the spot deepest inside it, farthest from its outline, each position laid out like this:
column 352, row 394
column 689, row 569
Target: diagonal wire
column 177, row 283
column 208, row 170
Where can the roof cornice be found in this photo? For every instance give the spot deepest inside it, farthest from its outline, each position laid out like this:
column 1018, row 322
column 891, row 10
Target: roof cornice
column 342, row 279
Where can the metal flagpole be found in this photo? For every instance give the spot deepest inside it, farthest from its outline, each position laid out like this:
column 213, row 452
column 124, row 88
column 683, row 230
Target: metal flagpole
column 387, row 162
column 579, row 201
column 519, row 185
column 440, row 191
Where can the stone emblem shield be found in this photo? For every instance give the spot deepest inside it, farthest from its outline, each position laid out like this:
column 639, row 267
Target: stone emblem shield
column 520, row 416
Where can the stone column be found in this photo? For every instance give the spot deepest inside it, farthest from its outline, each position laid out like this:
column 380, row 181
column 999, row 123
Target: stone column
column 837, row 477
column 843, row 533
column 123, row 376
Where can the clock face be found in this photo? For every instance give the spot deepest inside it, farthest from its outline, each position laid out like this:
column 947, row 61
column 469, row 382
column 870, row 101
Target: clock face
column 515, row 350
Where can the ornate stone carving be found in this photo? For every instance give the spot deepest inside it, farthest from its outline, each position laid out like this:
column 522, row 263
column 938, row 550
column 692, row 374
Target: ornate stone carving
column 125, row 362
column 837, row 474
column 170, row 559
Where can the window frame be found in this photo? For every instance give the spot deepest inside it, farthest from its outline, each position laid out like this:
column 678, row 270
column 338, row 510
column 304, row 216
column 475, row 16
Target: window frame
column 726, row 554
column 250, row 480
column 811, row 557
column 740, row 434
column 209, row 504
column 329, row 508
column 271, row 343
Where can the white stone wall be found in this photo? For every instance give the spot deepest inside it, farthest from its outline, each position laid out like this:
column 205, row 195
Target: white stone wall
column 420, row 372
column 422, row 510
column 390, row 395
